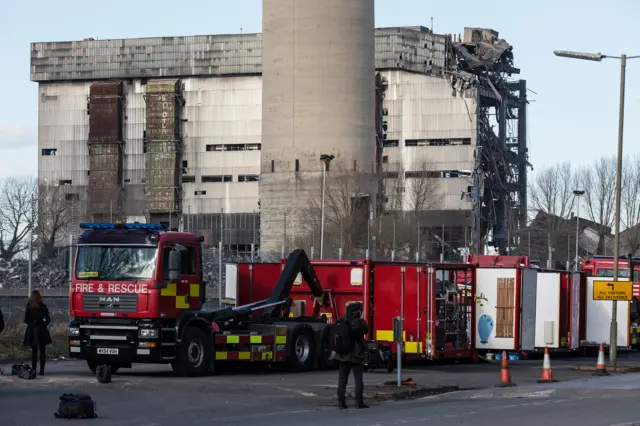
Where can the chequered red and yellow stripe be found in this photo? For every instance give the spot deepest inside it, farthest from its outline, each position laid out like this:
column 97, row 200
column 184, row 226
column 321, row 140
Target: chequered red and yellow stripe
column 251, row 347
column 250, row 356
column 249, row 339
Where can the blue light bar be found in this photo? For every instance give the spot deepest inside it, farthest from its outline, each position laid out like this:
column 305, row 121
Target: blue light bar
column 97, row 226
column 144, row 226
column 122, row 226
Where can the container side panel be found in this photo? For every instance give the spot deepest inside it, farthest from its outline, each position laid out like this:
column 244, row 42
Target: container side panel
column 386, row 295
column 343, row 281
column 598, row 314
column 265, row 276
column 495, row 312
column 575, row 311
column 547, row 310
column 410, row 313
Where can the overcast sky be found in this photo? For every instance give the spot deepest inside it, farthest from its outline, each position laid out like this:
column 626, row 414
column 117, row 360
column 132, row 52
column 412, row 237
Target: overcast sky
column 573, row 117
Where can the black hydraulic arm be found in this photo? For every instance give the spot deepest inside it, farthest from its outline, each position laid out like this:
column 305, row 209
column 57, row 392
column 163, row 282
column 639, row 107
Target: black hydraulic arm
column 297, row 262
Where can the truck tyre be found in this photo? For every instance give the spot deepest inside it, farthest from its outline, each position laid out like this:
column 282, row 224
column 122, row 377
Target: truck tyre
column 302, row 351
column 194, row 354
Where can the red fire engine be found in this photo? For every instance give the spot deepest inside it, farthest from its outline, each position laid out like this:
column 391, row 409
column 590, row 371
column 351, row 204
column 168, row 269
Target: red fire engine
column 434, row 299
column 137, row 295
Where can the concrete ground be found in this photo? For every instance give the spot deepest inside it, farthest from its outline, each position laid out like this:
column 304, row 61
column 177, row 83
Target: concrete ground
column 150, row 395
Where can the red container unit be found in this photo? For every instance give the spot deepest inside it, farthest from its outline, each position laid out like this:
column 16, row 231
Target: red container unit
column 436, row 302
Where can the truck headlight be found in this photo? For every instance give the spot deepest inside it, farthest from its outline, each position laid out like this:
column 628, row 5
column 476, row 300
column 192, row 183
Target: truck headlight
column 148, row 333
column 74, row 331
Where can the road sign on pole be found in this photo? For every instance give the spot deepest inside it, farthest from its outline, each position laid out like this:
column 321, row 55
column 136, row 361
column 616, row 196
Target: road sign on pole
column 613, row 290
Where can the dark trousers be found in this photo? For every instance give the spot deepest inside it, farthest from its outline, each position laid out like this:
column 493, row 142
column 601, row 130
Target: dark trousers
column 34, row 357
column 344, row 368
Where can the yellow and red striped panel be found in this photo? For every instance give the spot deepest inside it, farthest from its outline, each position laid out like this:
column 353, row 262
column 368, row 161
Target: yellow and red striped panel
column 249, row 356
column 249, row 339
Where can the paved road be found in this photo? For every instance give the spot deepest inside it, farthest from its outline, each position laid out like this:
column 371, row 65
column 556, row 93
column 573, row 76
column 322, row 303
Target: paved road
column 150, row 395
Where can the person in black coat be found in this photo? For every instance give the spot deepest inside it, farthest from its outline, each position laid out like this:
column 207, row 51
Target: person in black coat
column 37, row 336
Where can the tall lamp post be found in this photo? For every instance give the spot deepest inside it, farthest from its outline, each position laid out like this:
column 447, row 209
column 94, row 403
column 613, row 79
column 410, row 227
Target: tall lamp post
column 325, row 159
column 598, row 57
column 577, row 194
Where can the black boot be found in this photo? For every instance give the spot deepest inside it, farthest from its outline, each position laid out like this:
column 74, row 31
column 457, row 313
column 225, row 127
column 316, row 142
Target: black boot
column 362, row 405
column 342, row 405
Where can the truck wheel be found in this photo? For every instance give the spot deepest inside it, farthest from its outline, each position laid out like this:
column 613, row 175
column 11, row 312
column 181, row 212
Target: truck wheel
column 302, row 351
column 194, row 354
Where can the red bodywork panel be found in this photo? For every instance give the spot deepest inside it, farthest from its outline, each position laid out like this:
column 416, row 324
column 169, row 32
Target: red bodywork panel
column 151, row 302
column 344, row 281
column 494, row 261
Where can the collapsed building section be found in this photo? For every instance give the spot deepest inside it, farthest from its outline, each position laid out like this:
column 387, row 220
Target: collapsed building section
column 499, row 194
column 105, row 144
column 162, row 147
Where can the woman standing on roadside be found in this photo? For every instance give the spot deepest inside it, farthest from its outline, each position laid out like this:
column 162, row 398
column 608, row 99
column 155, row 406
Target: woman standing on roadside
column 37, row 336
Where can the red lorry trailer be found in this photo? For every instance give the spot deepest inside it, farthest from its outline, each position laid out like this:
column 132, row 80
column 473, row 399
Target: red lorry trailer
column 521, row 308
column 435, row 300
column 137, row 295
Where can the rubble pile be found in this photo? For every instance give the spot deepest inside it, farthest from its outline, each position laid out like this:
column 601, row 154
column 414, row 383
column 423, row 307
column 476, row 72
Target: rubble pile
column 54, row 272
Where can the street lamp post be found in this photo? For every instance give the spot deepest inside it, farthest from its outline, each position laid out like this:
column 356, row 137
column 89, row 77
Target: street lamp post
column 325, row 159
column 613, row 332
column 577, row 193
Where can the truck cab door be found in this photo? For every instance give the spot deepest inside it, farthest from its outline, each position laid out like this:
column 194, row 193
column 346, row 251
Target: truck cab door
column 184, row 292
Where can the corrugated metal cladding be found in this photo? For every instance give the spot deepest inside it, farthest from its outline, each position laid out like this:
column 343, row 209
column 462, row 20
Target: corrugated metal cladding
column 163, row 146
column 434, row 131
column 105, row 149
column 415, row 49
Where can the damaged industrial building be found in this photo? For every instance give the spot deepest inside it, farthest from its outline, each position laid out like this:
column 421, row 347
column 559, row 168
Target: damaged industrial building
column 172, row 130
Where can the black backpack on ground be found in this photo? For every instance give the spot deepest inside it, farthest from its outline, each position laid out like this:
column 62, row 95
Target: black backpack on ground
column 341, row 341
column 103, row 373
column 24, row 371
column 76, row 406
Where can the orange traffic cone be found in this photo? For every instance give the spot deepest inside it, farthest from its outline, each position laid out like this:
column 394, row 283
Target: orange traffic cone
column 505, row 376
column 601, row 369
column 547, row 376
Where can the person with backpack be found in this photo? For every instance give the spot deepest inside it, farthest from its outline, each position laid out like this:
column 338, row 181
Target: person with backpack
column 349, row 349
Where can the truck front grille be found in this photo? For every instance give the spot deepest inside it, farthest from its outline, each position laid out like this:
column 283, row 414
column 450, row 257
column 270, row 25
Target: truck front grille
column 96, row 302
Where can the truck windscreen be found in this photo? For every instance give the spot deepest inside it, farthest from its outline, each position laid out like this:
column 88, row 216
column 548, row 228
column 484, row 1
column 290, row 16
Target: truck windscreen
column 115, row 263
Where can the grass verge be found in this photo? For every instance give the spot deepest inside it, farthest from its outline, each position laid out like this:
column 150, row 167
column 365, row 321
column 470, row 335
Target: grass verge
column 11, row 339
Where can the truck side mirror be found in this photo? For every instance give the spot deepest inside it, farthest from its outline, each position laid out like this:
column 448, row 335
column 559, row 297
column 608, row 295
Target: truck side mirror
column 174, row 265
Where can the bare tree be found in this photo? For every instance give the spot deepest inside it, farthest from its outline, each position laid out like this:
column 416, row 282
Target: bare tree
column 16, row 215
column 551, row 193
column 598, row 182
column 631, row 205
column 349, row 200
column 52, row 216
column 350, row 222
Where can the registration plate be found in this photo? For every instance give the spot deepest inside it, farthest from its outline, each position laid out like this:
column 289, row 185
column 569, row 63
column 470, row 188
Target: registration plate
column 107, row 351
